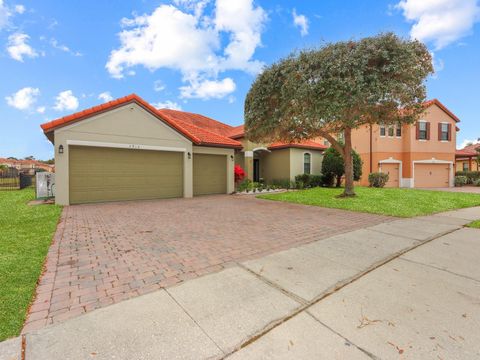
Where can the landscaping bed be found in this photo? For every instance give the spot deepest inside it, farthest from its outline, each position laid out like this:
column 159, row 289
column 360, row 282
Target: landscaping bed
column 384, row 201
column 25, row 236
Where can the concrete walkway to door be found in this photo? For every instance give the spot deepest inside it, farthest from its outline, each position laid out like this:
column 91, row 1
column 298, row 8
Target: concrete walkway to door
column 404, row 289
column 105, row 253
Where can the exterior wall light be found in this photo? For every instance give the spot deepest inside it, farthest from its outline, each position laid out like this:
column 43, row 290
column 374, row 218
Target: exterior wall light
column 189, row 156
column 231, row 157
column 60, row 149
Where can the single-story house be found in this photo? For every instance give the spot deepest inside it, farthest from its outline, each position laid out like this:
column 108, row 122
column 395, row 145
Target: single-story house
column 466, row 159
column 126, row 149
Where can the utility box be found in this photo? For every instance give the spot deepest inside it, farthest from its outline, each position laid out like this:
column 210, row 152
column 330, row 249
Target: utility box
column 45, row 185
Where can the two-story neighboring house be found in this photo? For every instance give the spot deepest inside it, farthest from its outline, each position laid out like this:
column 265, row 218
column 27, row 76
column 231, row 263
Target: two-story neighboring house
column 420, row 155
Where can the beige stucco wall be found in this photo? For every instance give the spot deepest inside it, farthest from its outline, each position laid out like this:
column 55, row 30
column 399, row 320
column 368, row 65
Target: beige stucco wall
column 296, row 162
column 127, row 125
column 230, row 162
column 275, row 165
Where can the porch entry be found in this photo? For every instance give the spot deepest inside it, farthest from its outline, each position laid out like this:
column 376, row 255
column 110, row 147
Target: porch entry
column 256, row 170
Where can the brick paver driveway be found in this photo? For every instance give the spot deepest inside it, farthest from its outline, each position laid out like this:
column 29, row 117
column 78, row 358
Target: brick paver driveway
column 105, row 253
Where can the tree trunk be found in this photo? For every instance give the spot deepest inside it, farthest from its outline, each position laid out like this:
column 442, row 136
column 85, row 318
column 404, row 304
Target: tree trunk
column 339, row 181
column 348, row 158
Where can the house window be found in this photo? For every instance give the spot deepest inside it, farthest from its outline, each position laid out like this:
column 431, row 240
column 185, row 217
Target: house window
column 398, row 131
column 465, row 166
column 444, row 132
column 341, row 137
column 307, row 165
column 391, row 131
column 422, row 130
column 382, row 130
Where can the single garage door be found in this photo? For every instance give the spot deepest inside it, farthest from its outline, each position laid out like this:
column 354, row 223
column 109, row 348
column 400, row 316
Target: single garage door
column 209, row 174
column 393, row 171
column 107, row 174
column 432, row 175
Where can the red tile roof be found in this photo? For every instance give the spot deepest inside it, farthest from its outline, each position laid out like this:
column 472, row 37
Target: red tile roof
column 237, row 132
column 467, row 151
column 306, row 144
column 183, row 123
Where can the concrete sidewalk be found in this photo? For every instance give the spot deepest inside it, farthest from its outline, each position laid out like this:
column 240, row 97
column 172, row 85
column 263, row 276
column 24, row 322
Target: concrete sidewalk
column 409, row 288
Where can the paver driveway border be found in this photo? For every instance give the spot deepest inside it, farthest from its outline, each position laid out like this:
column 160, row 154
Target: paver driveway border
column 106, row 253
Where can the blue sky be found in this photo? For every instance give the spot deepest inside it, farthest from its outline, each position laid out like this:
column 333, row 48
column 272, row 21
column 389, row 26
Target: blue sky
column 59, row 57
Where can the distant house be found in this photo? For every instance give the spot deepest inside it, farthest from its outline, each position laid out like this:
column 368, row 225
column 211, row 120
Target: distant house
column 466, row 159
column 27, row 166
column 421, row 155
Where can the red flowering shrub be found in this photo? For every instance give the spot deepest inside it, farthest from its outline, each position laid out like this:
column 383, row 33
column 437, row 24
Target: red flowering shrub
column 239, row 173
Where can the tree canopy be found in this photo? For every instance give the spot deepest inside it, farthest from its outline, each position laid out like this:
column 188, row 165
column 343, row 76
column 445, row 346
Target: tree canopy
column 336, row 88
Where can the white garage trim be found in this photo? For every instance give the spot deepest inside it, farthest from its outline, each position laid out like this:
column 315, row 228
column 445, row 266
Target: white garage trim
column 124, row 146
column 400, row 169
column 434, row 161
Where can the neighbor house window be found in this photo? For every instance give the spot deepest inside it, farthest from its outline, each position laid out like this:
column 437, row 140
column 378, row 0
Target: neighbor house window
column 307, row 163
column 341, row 137
column 391, row 131
column 422, row 130
column 465, row 166
column 382, row 130
column 444, row 132
column 398, row 131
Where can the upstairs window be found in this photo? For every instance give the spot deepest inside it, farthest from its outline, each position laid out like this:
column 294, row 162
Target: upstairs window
column 423, row 130
column 391, row 131
column 382, row 130
column 398, row 131
column 341, row 137
column 444, row 132
column 307, row 166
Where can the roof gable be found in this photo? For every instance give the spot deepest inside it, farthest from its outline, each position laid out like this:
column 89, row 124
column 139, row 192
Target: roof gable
column 194, row 133
column 437, row 102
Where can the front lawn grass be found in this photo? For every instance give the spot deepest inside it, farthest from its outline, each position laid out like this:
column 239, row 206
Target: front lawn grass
column 386, row 201
column 474, row 224
column 25, row 235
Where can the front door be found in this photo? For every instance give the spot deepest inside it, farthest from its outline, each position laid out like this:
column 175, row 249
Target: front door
column 256, row 170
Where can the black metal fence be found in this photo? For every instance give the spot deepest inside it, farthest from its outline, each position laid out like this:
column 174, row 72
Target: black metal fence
column 13, row 180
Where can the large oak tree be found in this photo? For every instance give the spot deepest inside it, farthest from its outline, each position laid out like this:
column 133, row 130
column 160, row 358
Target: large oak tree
column 337, row 88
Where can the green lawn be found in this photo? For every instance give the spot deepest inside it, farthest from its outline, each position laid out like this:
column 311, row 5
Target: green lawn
column 474, row 224
column 393, row 202
column 25, row 235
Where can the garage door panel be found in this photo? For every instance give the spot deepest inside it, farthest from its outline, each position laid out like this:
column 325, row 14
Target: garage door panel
column 105, row 174
column 209, row 174
column 393, row 171
column 432, row 175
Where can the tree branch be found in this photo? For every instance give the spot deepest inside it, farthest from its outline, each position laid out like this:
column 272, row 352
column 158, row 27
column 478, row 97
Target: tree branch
column 333, row 141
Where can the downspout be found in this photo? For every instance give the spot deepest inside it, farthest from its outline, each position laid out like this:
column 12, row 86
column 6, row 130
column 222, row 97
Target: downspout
column 371, row 147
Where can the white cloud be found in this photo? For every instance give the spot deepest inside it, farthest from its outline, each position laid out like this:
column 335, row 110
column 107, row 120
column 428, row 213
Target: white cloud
column 20, row 9
column 185, row 39
column 55, row 44
column 24, row 98
column 301, row 22
column 467, row 142
column 105, row 96
column 65, row 100
column 440, row 21
column 167, row 105
column 5, row 14
column 41, row 109
column 208, row 89
column 158, row 85
column 18, row 48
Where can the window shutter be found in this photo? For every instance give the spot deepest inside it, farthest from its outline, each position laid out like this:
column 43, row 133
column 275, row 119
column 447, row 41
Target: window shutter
column 428, row 131
column 449, row 132
column 418, row 131
column 439, row 131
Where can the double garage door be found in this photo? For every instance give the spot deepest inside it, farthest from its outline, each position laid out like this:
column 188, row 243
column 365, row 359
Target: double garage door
column 110, row 174
column 431, row 175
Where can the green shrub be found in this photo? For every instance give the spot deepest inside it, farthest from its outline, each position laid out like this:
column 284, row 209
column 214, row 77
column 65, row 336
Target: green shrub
column 245, row 185
column 476, row 182
column 305, row 181
column 461, row 180
column 470, row 175
column 281, row 183
column 377, row 179
column 334, row 166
